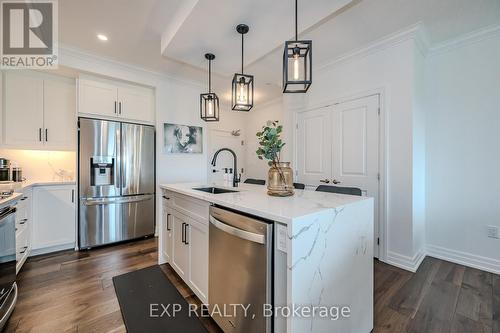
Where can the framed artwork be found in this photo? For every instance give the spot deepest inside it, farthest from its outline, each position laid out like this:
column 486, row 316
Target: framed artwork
column 182, row 139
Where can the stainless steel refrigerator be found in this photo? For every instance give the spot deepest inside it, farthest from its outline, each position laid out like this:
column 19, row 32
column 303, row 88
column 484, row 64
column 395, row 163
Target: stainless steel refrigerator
column 116, row 181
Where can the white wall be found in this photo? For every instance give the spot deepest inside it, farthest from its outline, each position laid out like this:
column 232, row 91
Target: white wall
column 391, row 70
column 259, row 116
column 463, row 156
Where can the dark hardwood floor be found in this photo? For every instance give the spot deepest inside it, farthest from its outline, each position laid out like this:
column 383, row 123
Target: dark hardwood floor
column 73, row 292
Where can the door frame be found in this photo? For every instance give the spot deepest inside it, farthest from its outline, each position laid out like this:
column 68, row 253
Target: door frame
column 383, row 184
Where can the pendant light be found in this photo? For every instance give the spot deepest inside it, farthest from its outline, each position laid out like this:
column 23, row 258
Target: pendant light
column 242, row 96
column 297, row 63
column 209, row 102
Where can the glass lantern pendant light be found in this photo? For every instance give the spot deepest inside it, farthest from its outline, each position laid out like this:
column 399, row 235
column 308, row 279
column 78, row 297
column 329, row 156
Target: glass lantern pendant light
column 297, row 63
column 209, row 102
column 242, row 94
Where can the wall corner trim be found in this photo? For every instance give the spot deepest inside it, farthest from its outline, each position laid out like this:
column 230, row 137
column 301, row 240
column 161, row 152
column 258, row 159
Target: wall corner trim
column 405, row 262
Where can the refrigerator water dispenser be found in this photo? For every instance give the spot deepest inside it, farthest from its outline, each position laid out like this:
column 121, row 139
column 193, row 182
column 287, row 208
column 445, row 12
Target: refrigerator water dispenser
column 101, row 171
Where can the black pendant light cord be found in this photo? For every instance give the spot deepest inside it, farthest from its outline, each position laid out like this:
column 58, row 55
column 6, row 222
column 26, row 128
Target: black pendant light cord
column 209, row 76
column 296, row 28
column 242, row 35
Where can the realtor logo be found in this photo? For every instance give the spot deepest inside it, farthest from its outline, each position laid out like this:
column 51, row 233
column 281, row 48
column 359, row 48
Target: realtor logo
column 29, row 34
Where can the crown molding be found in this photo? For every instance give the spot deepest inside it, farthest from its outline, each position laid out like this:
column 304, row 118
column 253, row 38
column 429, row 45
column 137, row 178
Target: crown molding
column 414, row 32
column 67, row 51
column 488, row 32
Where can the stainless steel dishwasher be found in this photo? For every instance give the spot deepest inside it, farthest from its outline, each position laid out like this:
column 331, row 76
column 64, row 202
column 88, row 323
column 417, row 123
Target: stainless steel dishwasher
column 240, row 271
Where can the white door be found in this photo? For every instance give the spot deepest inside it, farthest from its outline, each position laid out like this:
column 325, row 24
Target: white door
column 97, row 98
column 23, row 114
column 167, row 234
column 314, row 147
column 53, row 217
column 59, row 114
column 339, row 145
column 136, row 103
column 355, row 160
column 180, row 251
column 224, row 139
column 197, row 237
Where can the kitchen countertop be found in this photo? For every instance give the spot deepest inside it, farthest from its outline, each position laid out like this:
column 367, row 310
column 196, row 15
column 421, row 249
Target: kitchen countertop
column 253, row 199
column 23, row 185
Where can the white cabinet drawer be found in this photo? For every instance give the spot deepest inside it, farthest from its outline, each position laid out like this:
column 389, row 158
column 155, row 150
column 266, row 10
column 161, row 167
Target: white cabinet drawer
column 194, row 208
column 22, row 243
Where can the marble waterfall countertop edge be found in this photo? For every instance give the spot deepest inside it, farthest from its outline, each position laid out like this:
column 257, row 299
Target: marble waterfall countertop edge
column 254, row 200
column 14, row 197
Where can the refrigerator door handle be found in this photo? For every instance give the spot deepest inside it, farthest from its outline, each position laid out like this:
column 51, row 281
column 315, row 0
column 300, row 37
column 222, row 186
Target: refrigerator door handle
column 107, row 201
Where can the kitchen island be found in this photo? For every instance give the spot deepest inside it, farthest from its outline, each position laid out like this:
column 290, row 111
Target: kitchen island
column 322, row 252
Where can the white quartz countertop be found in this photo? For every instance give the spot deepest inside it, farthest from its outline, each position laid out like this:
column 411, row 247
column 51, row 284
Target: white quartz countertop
column 12, row 198
column 253, row 199
column 26, row 184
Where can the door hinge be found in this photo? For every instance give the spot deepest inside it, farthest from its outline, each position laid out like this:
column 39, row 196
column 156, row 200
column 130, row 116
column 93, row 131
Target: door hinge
column 378, row 241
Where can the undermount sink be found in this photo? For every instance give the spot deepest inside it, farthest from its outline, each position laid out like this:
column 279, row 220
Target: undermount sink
column 213, row 190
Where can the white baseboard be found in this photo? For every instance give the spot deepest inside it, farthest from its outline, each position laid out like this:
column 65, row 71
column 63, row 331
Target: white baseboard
column 463, row 258
column 405, row 262
column 50, row 249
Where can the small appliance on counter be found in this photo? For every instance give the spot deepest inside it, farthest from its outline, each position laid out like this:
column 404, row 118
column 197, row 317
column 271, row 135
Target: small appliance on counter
column 17, row 174
column 4, row 170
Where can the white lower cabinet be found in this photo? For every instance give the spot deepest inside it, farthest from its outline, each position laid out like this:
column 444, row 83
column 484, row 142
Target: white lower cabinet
column 54, row 218
column 180, row 250
column 197, row 238
column 184, row 242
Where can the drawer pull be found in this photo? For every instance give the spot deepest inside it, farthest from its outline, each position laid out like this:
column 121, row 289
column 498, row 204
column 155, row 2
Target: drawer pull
column 24, row 250
column 167, row 198
column 23, row 221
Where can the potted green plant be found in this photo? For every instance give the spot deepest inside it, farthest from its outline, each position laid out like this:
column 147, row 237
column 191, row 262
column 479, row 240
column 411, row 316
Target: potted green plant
column 280, row 174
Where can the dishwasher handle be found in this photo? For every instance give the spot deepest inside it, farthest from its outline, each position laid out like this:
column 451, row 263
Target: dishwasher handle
column 250, row 236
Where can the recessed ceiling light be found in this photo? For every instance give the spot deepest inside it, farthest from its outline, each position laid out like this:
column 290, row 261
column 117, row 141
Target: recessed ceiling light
column 102, row 37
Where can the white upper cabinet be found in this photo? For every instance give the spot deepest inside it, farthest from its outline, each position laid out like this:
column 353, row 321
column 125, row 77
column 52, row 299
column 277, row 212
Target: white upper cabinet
column 60, row 125
column 110, row 99
column 23, row 110
column 97, row 98
column 39, row 111
column 136, row 103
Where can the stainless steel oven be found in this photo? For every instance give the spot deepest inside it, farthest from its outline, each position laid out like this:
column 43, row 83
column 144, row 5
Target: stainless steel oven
column 8, row 288
column 240, row 271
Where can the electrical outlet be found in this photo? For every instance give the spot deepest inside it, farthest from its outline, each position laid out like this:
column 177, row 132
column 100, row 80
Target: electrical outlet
column 492, row 231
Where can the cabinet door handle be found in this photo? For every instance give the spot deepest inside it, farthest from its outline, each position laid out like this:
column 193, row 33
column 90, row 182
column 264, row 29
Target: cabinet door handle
column 46, row 135
column 167, row 198
column 182, row 232
column 168, row 227
column 72, row 196
column 186, row 234
column 115, row 106
column 24, row 250
column 40, row 134
column 120, row 107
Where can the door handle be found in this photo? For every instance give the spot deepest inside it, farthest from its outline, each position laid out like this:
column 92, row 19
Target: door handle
column 249, row 236
column 326, row 181
column 168, row 227
column 336, row 181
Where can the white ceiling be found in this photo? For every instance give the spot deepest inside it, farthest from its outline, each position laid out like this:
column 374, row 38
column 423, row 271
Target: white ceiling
column 192, row 27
